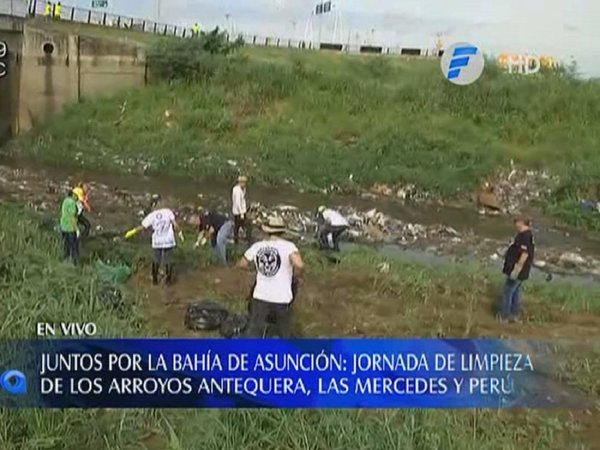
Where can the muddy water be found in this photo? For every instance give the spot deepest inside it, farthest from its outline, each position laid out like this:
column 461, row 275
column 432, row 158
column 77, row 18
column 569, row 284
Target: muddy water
column 548, row 233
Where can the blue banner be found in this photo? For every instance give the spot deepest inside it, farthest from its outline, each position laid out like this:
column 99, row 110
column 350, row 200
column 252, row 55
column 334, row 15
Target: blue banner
column 312, row 373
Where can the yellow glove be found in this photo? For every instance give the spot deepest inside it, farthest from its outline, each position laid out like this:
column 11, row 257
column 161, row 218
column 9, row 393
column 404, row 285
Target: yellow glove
column 181, row 237
column 131, row 233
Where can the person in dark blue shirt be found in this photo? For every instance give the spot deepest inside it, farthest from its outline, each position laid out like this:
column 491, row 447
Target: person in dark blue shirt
column 517, row 265
column 218, row 228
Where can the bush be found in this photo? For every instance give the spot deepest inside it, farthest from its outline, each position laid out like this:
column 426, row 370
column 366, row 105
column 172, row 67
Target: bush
column 190, row 59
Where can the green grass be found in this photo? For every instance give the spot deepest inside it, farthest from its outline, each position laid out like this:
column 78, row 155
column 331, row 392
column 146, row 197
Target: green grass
column 318, row 120
column 36, row 286
column 359, row 430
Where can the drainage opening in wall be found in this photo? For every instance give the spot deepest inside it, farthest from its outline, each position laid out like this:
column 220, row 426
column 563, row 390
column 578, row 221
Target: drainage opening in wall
column 48, row 48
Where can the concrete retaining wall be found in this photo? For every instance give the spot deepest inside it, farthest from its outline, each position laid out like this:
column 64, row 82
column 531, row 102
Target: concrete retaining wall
column 11, row 38
column 49, row 69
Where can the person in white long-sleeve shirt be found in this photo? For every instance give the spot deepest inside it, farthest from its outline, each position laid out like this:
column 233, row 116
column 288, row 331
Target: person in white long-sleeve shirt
column 331, row 226
column 240, row 210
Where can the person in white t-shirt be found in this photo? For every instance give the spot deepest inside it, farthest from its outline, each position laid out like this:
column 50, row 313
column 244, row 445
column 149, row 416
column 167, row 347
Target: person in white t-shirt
column 277, row 262
column 163, row 224
column 331, row 227
column 239, row 209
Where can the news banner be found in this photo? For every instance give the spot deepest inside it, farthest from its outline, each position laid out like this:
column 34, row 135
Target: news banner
column 51, row 372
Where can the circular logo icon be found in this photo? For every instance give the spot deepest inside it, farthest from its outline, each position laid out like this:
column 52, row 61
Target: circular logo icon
column 462, row 63
column 268, row 261
column 13, row 382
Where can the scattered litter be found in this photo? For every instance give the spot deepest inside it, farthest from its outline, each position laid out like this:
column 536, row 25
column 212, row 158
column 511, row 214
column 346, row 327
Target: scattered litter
column 110, row 295
column 589, row 206
column 384, row 267
column 571, row 259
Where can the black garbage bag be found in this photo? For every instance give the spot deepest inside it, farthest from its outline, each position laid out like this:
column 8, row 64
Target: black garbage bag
column 110, row 296
column 234, row 325
column 206, row 315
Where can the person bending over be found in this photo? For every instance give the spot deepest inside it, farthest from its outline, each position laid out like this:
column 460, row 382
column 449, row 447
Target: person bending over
column 331, row 227
column 218, row 229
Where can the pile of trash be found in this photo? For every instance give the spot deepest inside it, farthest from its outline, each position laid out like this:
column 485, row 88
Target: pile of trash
column 403, row 192
column 375, row 226
column 298, row 222
column 575, row 263
column 371, row 226
column 513, row 188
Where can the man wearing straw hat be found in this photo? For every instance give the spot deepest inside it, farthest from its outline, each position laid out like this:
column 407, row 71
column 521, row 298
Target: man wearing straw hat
column 240, row 209
column 277, row 261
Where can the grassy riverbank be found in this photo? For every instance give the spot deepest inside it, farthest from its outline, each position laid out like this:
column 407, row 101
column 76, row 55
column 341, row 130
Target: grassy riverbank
column 321, row 120
column 407, row 300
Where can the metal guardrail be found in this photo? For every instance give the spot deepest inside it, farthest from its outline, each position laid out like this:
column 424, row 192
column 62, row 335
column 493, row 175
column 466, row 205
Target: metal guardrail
column 263, row 41
column 37, row 8
column 15, row 8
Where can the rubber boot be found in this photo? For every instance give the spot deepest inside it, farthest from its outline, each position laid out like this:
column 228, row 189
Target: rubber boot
column 155, row 269
column 169, row 270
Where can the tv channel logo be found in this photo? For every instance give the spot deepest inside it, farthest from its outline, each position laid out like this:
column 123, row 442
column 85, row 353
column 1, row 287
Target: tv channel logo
column 462, row 63
column 13, row 382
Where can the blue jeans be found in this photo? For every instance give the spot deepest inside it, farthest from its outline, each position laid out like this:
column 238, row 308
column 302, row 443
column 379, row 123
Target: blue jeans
column 511, row 298
column 221, row 242
column 70, row 246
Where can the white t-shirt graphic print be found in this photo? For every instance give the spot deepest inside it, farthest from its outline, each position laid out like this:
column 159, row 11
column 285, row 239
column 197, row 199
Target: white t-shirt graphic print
column 161, row 221
column 274, row 271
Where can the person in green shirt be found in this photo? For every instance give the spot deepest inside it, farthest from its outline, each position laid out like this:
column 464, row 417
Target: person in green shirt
column 69, row 228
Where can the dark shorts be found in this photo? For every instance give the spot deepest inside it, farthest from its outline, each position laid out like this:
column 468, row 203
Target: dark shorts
column 162, row 256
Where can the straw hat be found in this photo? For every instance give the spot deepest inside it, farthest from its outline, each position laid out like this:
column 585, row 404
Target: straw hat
column 321, row 209
column 274, row 225
column 242, row 179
